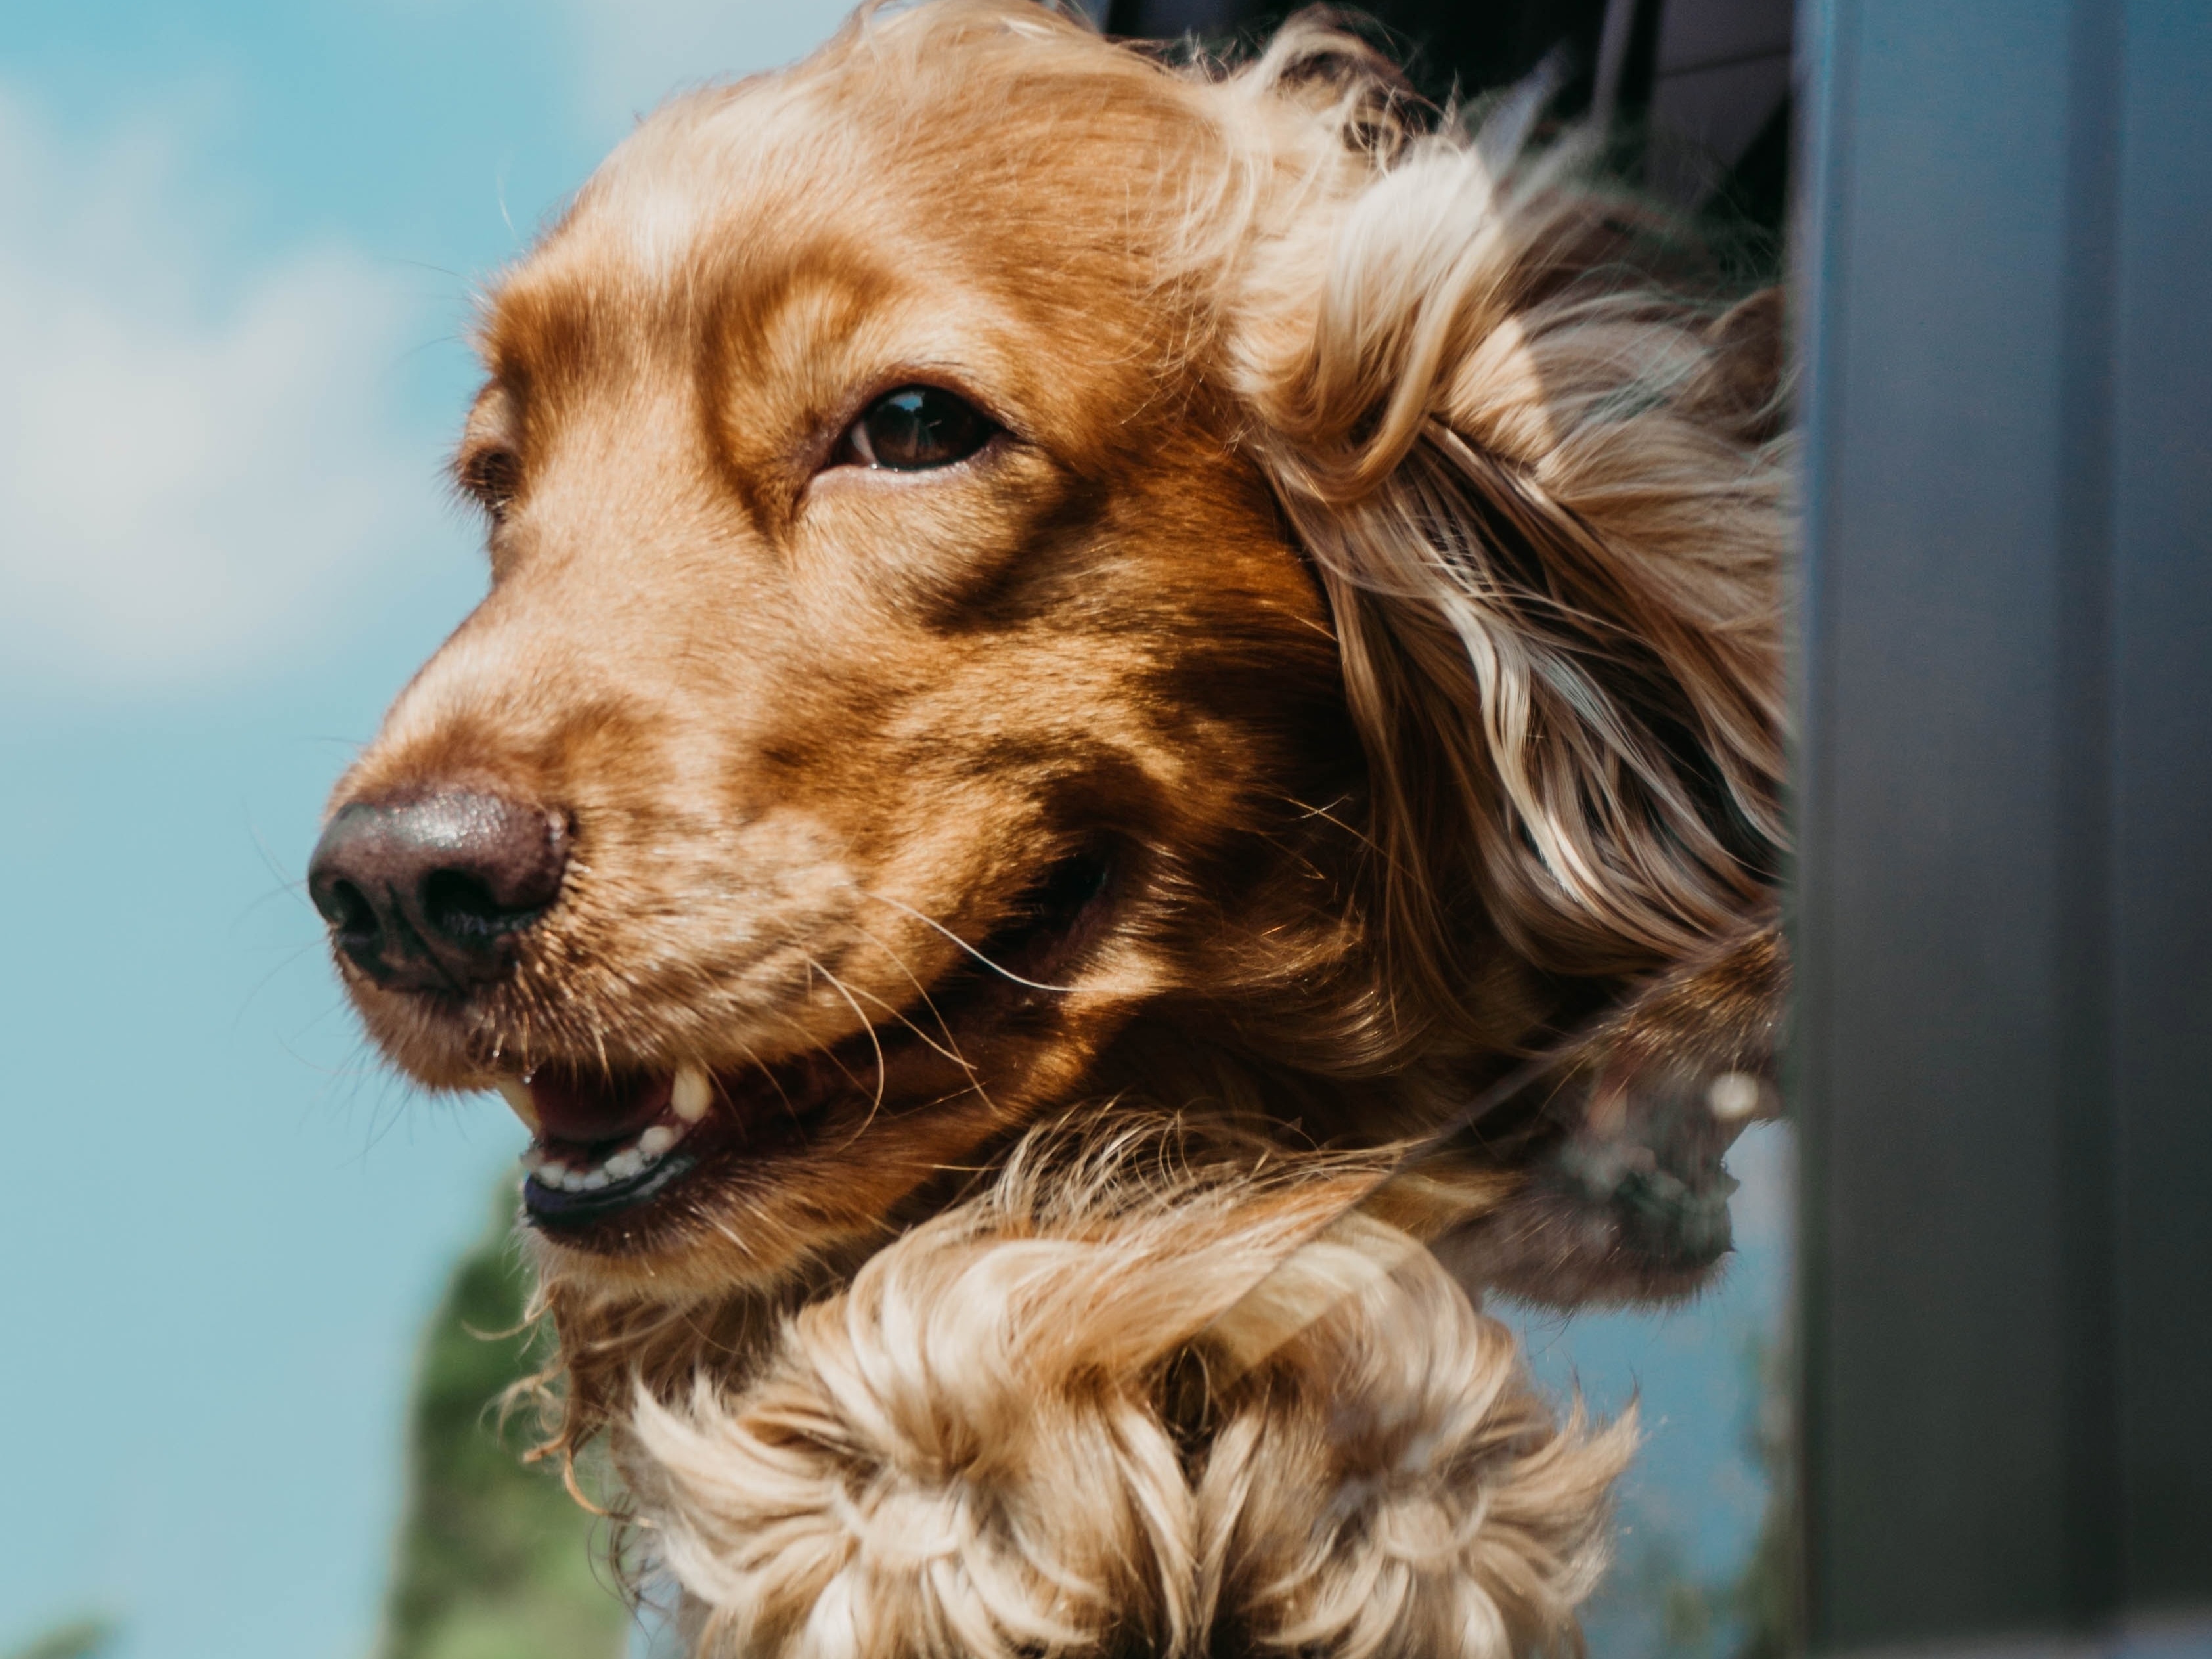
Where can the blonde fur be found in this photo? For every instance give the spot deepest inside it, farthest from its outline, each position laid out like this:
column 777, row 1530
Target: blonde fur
column 1545, row 557
column 1088, row 1412
column 1383, row 568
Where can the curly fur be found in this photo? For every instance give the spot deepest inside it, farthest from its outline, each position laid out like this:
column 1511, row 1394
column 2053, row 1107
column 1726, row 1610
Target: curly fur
column 1080, row 1414
column 1380, row 580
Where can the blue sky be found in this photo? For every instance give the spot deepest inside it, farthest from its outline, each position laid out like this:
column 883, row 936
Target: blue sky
column 237, row 245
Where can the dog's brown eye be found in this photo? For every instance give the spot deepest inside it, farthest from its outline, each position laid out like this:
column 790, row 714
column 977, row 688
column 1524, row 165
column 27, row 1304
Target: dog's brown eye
column 915, row 428
column 493, row 477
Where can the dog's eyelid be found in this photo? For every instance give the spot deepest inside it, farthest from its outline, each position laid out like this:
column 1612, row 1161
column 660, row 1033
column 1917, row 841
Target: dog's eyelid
column 491, row 474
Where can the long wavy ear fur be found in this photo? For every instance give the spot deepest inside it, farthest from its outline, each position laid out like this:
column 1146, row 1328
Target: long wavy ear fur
column 1549, row 506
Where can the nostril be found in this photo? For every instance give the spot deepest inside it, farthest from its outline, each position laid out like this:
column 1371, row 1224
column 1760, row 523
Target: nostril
column 352, row 916
column 462, row 907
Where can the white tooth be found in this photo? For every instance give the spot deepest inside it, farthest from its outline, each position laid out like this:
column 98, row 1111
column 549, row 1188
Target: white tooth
column 692, row 1093
column 656, row 1140
column 572, row 1180
column 516, row 1093
column 623, row 1165
column 594, row 1182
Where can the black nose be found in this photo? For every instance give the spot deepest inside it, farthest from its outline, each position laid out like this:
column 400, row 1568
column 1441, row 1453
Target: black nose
column 434, row 893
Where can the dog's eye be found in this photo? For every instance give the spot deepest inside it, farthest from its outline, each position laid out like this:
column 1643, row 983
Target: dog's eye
column 915, row 428
column 493, row 477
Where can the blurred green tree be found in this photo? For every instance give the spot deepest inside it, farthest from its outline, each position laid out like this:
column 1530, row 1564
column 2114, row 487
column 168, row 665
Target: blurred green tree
column 1747, row 1612
column 496, row 1559
column 81, row 1639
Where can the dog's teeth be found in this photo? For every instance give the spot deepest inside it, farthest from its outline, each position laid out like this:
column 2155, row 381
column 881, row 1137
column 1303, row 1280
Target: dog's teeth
column 553, row 1170
column 692, row 1093
column 516, row 1093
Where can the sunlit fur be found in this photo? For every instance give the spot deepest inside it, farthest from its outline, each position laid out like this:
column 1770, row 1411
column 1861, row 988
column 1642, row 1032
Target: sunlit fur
column 984, row 1447
column 1381, row 564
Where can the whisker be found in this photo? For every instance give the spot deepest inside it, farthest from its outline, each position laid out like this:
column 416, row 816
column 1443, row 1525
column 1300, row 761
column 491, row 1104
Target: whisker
column 883, row 1070
column 775, row 1083
column 952, row 1053
column 1004, row 973
column 263, row 983
column 809, row 1044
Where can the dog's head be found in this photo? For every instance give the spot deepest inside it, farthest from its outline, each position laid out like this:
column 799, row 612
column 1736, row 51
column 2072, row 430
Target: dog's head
column 1022, row 575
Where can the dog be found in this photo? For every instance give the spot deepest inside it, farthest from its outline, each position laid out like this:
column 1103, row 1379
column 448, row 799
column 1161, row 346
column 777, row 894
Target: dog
column 1128, row 739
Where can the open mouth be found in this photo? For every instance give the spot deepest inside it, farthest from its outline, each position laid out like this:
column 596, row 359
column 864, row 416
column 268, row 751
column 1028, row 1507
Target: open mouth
column 610, row 1141
column 579, row 1170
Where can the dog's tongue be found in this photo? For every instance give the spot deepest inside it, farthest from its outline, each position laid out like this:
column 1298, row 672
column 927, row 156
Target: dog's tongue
column 590, row 1108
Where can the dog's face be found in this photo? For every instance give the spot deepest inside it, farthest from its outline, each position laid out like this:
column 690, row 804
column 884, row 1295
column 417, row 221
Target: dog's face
column 1021, row 578
column 881, row 630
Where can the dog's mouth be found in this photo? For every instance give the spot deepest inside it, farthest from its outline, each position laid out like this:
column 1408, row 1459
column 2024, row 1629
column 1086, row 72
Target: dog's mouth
column 606, row 1144
column 612, row 1141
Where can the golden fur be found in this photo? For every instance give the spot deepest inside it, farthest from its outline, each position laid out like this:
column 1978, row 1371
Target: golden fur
column 983, row 1448
column 1376, row 579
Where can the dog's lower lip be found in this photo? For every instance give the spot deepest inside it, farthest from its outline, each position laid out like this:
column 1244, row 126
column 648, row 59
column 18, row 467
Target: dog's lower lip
column 571, row 1183
column 556, row 1208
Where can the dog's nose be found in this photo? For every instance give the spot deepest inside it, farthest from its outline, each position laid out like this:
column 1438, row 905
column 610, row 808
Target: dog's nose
column 434, row 893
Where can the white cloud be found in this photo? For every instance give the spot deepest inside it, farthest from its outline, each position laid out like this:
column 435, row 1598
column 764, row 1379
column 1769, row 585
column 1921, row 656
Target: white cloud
column 201, row 467
column 194, row 472
column 633, row 53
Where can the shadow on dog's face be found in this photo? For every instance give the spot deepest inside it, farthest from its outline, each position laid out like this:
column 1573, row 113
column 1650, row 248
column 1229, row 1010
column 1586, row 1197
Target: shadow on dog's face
column 902, row 706
column 880, row 631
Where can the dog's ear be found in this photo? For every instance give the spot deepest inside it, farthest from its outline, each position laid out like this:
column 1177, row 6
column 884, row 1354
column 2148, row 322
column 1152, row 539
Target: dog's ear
column 1548, row 505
